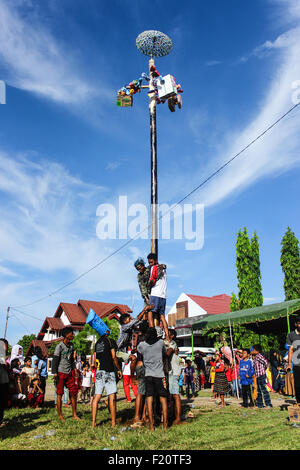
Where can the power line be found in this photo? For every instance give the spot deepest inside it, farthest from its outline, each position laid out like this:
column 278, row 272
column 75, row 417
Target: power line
column 21, row 323
column 26, row 314
column 130, row 240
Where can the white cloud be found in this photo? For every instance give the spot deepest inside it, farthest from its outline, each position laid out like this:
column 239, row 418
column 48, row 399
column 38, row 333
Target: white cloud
column 35, row 61
column 277, row 151
column 285, row 40
column 211, row 63
column 49, row 225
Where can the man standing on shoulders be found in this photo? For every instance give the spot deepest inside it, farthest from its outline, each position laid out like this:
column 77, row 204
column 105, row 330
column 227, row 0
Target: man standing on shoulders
column 260, row 365
column 293, row 341
column 158, row 294
column 106, row 361
column 64, row 371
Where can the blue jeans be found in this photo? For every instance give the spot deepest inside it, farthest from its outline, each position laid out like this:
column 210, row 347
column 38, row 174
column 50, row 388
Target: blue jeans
column 188, row 385
column 262, row 392
column 233, row 386
column 65, row 397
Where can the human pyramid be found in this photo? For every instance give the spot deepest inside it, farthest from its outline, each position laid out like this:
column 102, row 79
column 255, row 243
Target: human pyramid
column 146, row 348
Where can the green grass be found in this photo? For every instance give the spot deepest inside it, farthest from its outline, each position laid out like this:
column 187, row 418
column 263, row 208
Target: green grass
column 212, row 428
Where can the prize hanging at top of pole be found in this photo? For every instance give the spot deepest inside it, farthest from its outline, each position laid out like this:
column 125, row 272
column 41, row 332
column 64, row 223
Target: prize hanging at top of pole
column 153, row 44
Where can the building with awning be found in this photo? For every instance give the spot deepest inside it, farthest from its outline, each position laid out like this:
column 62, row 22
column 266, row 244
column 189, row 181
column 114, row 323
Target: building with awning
column 264, row 319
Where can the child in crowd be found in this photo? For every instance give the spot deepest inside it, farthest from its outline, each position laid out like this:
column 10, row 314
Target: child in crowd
column 27, row 374
column 260, row 365
column 94, row 371
column 189, row 379
column 212, row 374
column 246, row 372
column 35, row 396
column 129, row 380
column 86, row 383
column 229, row 372
column 235, row 381
column 28, row 369
column 221, row 386
column 281, row 379
column 181, row 382
column 18, row 399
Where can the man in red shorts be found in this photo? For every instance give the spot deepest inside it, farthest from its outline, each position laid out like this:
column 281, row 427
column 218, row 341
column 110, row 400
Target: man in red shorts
column 65, row 372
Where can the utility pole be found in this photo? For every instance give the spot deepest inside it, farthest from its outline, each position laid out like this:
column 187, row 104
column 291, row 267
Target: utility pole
column 7, row 316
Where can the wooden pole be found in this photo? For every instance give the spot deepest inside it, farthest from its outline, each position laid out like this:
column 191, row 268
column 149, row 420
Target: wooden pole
column 192, row 331
column 8, row 309
column 153, row 146
column 234, row 364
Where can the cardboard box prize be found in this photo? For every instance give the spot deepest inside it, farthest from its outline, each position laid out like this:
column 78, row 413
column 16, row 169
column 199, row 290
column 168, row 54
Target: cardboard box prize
column 168, row 88
column 124, row 101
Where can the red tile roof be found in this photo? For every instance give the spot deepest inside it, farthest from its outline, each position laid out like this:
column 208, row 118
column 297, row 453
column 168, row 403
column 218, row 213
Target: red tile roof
column 34, row 344
column 54, row 323
column 103, row 309
column 213, row 305
column 74, row 313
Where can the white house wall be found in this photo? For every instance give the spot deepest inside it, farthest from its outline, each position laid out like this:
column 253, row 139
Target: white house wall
column 64, row 319
column 194, row 308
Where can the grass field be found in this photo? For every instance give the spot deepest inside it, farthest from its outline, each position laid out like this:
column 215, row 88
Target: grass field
column 212, row 428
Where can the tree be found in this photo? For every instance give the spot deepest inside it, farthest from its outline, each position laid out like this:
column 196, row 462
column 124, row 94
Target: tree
column 243, row 266
column 234, row 303
column 81, row 343
column 257, row 298
column 25, row 342
column 248, row 272
column 290, row 263
column 84, row 345
column 244, row 337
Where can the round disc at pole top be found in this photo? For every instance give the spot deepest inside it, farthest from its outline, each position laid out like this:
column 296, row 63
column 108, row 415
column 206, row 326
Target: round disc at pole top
column 154, row 43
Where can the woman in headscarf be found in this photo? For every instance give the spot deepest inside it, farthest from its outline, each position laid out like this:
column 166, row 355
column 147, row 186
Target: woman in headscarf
column 17, row 353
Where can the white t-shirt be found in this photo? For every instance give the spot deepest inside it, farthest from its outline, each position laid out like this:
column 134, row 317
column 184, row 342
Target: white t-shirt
column 126, row 367
column 160, row 287
column 86, row 379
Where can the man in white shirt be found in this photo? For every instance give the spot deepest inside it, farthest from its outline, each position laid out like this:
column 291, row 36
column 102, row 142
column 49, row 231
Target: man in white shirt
column 158, row 294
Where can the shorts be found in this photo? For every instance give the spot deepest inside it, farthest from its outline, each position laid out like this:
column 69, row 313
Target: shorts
column 66, row 380
column 159, row 304
column 156, row 386
column 105, row 380
column 140, row 375
column 174, row 384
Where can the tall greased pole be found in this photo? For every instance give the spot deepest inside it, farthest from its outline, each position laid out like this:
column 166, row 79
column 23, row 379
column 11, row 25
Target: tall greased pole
column 153, row 44
column 153, row 147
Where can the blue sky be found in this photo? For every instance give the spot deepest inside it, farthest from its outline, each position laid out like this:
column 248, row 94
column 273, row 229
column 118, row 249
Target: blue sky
column 65, row 147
